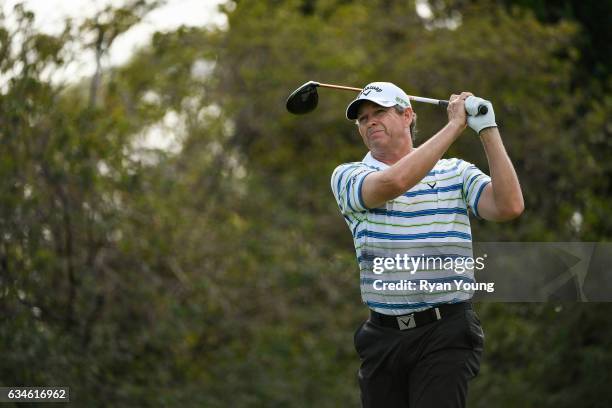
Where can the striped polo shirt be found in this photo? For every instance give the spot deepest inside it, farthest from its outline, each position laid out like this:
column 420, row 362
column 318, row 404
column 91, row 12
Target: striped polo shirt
column 428, row 222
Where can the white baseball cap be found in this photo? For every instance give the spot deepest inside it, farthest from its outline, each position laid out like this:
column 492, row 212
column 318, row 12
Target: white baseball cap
column 382, row 93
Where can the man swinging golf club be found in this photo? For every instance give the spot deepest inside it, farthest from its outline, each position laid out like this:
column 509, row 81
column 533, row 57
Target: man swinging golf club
column 422, row 342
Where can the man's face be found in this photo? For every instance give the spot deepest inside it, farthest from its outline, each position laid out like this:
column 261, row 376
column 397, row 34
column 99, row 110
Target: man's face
column 383, row 128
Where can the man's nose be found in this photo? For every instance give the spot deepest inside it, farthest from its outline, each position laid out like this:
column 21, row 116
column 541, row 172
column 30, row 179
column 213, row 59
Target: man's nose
column 372, row 121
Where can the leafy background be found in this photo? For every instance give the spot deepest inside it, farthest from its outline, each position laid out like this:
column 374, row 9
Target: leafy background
column 220, row 273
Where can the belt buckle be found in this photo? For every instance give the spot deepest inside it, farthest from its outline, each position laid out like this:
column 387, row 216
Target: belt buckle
column 406, row 322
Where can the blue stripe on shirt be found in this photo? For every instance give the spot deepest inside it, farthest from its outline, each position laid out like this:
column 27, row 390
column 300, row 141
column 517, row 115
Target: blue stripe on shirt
column 434, row 172
column 348, row 196
column 452, row 187
column 478, row 198
column 412, row 214
column 407, row 237
column 341, row 175
column 469, row 184
column 359, row 192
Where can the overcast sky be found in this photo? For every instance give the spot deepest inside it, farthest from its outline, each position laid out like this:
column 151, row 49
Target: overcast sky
column 51, row 13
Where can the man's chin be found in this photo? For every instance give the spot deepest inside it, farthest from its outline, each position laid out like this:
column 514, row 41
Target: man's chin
column 377, row 143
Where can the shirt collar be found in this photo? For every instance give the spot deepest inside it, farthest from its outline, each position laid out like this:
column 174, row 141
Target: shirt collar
column 371, row 161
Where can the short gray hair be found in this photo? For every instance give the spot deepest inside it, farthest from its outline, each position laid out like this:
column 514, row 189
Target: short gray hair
column 400, row 109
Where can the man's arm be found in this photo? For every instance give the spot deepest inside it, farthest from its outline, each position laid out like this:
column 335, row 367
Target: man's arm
column 502, row 199
column 382, row 186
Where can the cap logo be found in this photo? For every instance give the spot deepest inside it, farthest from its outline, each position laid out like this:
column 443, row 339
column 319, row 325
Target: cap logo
column 369, row 89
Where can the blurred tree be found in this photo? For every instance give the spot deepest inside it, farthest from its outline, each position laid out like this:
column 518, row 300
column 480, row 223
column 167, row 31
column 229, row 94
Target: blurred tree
column 222, row 274
column 67, row 181
column 592, row 70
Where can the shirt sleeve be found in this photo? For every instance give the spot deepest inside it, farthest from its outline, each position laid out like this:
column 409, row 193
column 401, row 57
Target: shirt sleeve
column 474, row 182
column 346, row 182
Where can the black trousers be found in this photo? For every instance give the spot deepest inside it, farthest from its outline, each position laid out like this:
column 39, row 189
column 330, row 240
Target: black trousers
column 425, row 367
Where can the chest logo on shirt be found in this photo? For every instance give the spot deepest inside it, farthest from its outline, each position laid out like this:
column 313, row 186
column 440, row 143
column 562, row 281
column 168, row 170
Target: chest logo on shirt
column 432, row 185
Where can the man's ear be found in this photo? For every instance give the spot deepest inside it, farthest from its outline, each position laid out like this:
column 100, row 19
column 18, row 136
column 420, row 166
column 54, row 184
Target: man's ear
column 408, row 114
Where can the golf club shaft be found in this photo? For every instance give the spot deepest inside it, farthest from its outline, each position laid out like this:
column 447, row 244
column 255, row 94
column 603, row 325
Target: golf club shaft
column 428, row 100
column 346, row 88
column 412, row 98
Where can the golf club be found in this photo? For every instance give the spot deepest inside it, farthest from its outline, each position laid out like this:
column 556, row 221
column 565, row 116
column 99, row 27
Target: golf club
column 305, row 98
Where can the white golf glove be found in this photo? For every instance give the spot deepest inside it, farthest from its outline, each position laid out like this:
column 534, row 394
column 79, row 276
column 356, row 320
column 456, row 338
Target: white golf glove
column 475, row 120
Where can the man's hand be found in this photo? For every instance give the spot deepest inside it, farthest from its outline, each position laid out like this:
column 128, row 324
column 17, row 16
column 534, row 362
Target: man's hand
column 476, row 121
column 456, row 109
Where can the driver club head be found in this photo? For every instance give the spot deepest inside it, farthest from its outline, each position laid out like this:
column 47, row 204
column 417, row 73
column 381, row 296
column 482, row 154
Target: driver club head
column 304, row 99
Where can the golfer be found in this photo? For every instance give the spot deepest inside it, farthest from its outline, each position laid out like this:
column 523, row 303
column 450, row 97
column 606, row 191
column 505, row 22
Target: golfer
column 423, row 341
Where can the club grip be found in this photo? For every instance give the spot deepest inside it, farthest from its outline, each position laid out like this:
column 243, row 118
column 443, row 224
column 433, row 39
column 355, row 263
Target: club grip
column 443, row 104
column 475, row 106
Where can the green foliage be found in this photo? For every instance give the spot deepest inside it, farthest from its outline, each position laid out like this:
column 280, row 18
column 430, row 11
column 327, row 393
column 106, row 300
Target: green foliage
column 223, row 275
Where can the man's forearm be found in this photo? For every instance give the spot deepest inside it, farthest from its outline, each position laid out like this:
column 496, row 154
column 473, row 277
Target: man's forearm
column 506, row 188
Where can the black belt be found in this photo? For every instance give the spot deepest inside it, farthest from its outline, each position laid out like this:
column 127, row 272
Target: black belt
column 417, row 319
